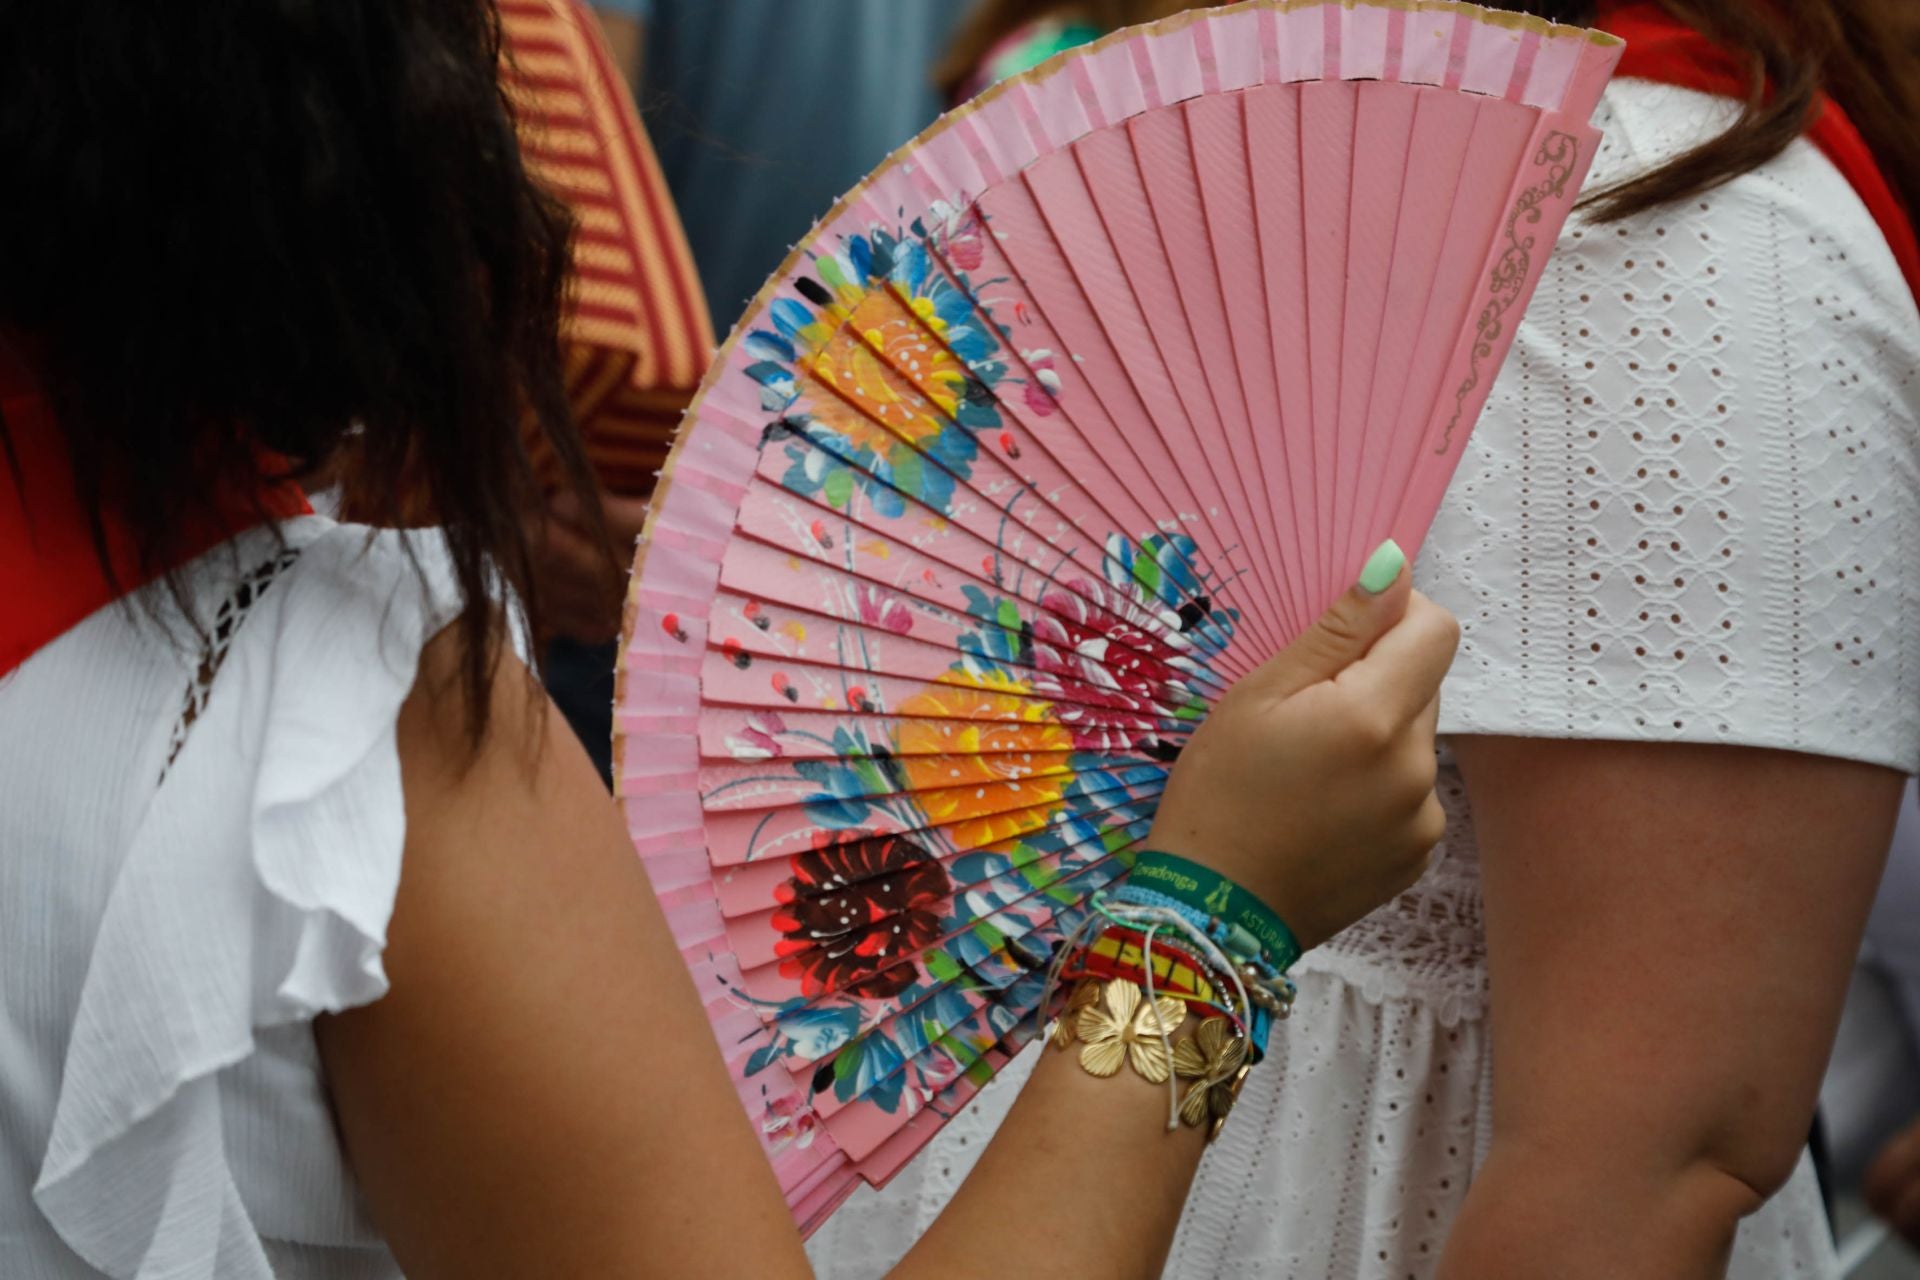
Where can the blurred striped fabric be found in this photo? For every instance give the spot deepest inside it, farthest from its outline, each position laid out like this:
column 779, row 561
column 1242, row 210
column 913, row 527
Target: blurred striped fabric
column 636, row 337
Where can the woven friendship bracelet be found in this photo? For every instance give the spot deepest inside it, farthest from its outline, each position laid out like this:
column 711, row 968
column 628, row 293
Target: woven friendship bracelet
column 1214, row 895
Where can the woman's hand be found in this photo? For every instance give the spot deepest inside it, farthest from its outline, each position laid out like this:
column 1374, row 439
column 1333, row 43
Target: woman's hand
column 1311, row 783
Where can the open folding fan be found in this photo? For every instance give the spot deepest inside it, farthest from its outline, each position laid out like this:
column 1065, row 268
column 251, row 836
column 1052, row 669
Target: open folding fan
column 1076, row 410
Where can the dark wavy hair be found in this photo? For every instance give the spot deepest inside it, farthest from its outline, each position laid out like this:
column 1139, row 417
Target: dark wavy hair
column 289, row 224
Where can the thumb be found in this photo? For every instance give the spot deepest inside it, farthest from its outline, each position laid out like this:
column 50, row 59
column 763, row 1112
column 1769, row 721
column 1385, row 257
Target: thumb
column 1342, row 635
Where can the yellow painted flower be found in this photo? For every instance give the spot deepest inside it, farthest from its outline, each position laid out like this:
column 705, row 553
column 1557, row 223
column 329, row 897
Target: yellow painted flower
column 881, row 375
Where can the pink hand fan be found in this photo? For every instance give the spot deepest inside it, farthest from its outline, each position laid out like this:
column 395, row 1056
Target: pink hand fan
column 1075, row 411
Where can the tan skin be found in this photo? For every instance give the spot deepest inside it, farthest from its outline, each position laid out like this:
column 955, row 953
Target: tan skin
column 539, row 1094
column 1892, row 1185
column 1665, row 1010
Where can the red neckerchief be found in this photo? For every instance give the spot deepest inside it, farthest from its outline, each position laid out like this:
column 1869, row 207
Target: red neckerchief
column 50, row 573
column 1660, row 47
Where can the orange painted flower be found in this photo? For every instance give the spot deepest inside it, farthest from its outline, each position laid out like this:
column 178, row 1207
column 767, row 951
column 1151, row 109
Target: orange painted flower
column 975, row 746
column 882, row 374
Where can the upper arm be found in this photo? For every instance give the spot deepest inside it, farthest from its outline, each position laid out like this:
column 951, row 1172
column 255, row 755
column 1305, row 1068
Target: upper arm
column 539, row 1092
column 1680, row 914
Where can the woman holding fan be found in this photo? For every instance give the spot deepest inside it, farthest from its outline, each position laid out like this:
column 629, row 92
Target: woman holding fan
column 324, row 953
column 1681, row 546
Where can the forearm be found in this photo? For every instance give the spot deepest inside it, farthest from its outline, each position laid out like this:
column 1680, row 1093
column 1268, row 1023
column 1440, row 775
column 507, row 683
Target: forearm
column 1082, row 1179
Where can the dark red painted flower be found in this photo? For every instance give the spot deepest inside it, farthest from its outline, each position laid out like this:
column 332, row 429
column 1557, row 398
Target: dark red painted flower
column 853, row 909
column 1117, row 680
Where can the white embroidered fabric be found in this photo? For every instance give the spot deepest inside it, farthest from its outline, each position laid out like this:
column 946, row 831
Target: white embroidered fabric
column 1691, row 512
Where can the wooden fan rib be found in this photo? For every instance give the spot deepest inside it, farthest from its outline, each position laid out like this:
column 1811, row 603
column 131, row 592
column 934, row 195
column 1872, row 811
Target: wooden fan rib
column 1441, row 128
column 1060, row 247
column 1066, row 420
column 1495, row 156
column 922, row 644
column 1113, row 180
column 755, row 716
column 1026, row 238
column 1217, row 138
column 777, row 515
column 748, row 786
column 1383, row 134
column 983, row 809
column 1272, row 121
column 758, row 886
column 1327, row 117
column 802, row 735
column 1164, row 152
column 984, row 826
column 734, row 838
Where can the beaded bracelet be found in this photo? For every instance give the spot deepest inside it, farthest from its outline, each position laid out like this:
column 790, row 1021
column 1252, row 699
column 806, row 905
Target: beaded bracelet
column 1118, row 1020
column 1268, row 987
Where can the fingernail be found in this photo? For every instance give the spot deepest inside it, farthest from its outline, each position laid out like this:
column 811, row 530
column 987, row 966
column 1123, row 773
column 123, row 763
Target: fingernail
column 1383, row 567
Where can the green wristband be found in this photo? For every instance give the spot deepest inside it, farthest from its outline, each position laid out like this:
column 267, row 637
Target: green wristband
column 1212, row 894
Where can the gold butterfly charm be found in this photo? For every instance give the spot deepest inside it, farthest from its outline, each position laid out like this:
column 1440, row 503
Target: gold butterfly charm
column 1121, row 1026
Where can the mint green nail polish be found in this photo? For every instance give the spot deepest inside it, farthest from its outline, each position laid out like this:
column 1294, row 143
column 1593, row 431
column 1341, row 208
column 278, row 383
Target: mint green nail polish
column 1382, row 568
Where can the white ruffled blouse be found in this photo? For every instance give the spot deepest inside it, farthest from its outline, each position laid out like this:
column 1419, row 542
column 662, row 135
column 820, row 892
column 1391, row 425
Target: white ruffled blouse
column 190, row 871
column 1691, row 512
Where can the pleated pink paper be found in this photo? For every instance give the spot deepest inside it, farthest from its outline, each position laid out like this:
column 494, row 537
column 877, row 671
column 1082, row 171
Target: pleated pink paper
column 1075, row 411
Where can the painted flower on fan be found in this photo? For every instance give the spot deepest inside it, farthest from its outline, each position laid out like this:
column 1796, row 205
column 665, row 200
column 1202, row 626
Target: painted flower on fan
column 976, row 744
column 787, row 1121
column 807, row 1033
column 1158, row 574
column 885, row 609
column 1042, row 392
column 759, row 737
column 854, row 909
column 878, row 359
column 1122, row 1027
column 1117, row 684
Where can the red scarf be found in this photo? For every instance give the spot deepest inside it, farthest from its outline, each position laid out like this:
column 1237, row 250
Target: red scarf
column 50, row 573
column 1659, row 47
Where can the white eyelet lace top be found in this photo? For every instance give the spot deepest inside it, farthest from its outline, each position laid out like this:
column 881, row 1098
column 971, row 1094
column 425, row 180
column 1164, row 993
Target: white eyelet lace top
column 200, row 842
column 1691, row 512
